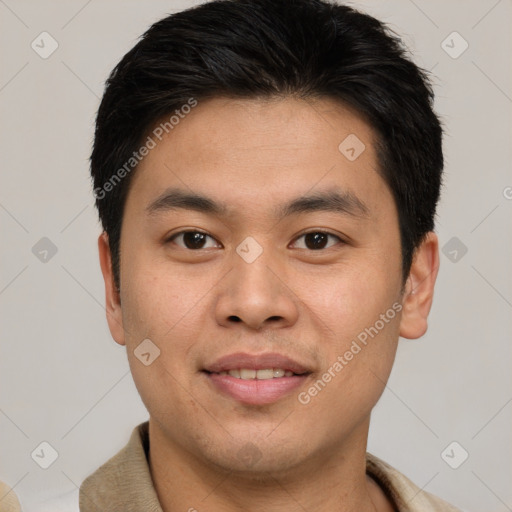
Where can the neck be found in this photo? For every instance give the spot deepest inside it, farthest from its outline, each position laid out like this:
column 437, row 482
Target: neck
column 334, row 480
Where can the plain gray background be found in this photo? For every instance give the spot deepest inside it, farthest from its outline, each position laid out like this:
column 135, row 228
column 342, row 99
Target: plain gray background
column 65, row 381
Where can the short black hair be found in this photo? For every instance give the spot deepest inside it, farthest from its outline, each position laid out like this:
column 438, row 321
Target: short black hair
column 270, row 49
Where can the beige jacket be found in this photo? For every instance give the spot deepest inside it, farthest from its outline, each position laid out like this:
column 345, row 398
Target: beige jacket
column 123, row 483
column 8, row 500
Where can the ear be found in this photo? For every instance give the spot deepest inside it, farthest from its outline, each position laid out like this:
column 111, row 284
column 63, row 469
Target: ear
column 112, row 296
column 419, row 291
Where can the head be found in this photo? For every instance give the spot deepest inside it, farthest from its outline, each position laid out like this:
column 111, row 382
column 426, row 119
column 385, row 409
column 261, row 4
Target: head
column 299, row 133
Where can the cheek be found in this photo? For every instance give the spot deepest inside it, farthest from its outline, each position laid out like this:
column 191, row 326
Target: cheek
column 158, row 299
column 358, row 367
column 161, row 303
column 351, row 298
column 362, row 311
column 157, row 310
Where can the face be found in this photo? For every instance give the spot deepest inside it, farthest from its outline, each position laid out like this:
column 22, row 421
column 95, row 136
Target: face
column 289, row 263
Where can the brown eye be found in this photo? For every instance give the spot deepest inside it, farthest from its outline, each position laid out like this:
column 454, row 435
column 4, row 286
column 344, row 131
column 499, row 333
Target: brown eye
column 192, row 240
column 317, row 240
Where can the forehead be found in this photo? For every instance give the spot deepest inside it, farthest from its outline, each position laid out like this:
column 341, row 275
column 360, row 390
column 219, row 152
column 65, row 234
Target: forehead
column 253, row 151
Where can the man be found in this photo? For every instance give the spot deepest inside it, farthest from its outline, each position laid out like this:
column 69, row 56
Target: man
column 267, row 174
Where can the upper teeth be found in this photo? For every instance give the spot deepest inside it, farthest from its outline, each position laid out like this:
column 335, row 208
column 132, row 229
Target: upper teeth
column 246, row 373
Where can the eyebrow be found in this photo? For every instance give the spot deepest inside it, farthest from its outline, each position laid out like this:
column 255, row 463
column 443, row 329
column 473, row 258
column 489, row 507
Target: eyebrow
column 333, row 200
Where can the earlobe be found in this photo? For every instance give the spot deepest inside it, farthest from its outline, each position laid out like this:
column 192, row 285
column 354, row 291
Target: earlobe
column 419, row 291
column 112, row 296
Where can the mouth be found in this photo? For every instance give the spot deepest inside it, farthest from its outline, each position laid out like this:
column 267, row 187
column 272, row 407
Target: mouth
column 252, row 374
column 256, row 379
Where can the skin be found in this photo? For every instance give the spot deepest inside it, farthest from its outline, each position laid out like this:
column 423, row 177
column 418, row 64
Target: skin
column 197, row 305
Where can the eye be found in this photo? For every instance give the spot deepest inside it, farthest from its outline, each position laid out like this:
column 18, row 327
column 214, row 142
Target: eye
column 193, row 240
column 316, row 240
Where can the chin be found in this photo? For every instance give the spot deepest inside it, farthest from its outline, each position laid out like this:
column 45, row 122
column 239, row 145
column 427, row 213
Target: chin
column 255, row 459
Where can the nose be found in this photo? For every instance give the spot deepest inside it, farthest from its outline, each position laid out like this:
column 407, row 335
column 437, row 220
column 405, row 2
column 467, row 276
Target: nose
column 256, row 294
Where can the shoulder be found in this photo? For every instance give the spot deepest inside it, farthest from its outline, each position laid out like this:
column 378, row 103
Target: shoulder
column 406, row 494
column 8, row 498
column 124, row 482
column 129, row 461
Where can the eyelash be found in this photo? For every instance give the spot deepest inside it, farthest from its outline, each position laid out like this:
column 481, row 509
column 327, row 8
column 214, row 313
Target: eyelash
column 173, row 237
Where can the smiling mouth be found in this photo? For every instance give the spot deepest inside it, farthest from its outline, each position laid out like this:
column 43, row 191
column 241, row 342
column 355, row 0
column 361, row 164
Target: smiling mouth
column 251, row 386
column 256, row 379
column 262, row 374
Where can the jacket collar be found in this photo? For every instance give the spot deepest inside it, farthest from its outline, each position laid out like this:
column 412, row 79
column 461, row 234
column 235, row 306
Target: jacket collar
column 124, row 483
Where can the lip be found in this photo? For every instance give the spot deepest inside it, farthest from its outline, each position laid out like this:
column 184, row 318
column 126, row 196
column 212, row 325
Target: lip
column 256, row 362
column 254, row 391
